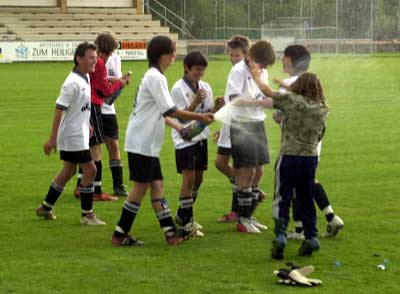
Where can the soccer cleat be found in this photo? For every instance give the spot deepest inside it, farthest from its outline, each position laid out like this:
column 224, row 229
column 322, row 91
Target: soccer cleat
column 77, row 193
column 193, row 229
column 245, row 225
column 173, row 238
column 257, row 224
column 91, row 220
column 104, row 197
column 308, row 247
column 120, row 191
column 278, row 246
column 295, row 235
column 197, row 226
column 126, row 240
column 333, row 227
column 47, row 214
column 229, row 217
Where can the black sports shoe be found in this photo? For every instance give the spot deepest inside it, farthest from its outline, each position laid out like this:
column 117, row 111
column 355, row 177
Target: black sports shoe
column 278, row 245
column 126, row 240
column 120, row 191
column 308, row 247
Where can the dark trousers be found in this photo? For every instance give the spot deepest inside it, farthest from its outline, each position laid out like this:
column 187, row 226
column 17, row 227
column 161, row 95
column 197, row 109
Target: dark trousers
column 295, row 173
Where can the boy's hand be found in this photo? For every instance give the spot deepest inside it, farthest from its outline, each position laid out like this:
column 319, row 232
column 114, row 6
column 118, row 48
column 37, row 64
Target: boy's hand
column 219, row 103
column 50, row 145
column 278, row 116
column 200, row 96
column 207, row 118
column 255, row 70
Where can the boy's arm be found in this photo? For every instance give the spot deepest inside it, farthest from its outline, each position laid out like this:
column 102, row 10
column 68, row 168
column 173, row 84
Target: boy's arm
column 52, row 142
column 173, row 124
column 206, row 118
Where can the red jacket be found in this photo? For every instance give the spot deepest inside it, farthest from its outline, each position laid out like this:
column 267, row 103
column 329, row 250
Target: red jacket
column 100, row 86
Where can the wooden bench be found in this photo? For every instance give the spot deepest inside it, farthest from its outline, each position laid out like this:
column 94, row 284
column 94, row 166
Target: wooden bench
column 16, row 9
column 74, row 16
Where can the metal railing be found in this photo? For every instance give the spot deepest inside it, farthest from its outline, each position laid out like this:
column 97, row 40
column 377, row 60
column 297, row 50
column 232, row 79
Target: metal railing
column 169, row 17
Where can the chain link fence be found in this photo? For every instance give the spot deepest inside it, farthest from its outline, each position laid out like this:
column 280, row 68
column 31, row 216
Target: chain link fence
column 340, row 26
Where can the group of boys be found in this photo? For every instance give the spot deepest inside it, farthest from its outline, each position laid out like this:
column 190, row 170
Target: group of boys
column 243, row 137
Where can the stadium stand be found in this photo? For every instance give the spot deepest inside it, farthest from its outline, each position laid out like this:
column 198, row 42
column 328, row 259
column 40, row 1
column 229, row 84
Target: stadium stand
column 79, row 24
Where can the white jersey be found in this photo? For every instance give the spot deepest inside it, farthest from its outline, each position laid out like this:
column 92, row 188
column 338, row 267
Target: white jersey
column 146, row 125
column 113, row 66
column 241, row 83
column 288, row 82
column 74, row 100
column 183, row 95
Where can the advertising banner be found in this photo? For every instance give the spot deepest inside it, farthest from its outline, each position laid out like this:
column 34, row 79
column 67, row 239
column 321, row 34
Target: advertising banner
column 60, row 51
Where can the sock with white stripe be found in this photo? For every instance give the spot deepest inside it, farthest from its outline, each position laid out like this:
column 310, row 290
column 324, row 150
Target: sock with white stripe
column 255, row 193
column 54, row 192
column 97, row 179
column 185, row 210
column 245, row 199
column 86, row 199
column 117, row 173
column 321, row 198
column 160, row 207
column 129, row 212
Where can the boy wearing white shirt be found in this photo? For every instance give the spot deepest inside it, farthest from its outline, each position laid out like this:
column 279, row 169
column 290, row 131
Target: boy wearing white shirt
column 144, row 140
column 248, row 137
column 70, row 135
column 193, row 94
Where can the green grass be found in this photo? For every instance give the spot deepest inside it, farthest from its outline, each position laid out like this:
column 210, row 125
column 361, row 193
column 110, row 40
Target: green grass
column 359, row 168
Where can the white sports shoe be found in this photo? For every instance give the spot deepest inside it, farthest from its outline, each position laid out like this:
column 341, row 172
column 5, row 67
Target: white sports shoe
column 245, row 225
column 295, row 236
column 197, row 226
column 91, row 220
column 257, row 224
column 194, row 227
column 333, row 227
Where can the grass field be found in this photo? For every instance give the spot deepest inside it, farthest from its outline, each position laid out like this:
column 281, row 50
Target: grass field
column 360, row 169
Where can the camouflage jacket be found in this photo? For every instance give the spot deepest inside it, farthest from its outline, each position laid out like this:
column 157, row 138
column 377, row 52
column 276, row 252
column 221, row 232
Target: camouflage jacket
column 303, row 125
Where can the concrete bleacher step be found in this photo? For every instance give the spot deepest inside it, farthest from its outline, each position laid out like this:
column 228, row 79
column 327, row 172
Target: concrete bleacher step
column 91, row 29
column 82, row 23
column 74, row 16
column 37, row 9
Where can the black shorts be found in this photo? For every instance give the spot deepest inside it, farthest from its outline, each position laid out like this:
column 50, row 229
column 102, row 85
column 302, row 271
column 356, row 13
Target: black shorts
column 224, row 151
column 96, row 122
column 82, row 156
column 194, row 157
column 144, row 169
column 110, row 126
column 249, row 144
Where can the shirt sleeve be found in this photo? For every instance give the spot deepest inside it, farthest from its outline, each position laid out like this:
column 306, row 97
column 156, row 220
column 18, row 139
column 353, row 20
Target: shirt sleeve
column 234, row 87
column 283, row 101
column 67, row 94
column 158, row 88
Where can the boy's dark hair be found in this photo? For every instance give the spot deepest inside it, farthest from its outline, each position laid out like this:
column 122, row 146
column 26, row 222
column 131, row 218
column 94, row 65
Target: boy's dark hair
column 300, row 57
column 262, row 53
column 308, row 85
column 239, row 42
column 158, row 46
column 81, row 50
column 195, row 58
column 106, row 43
